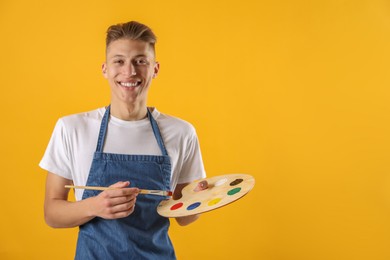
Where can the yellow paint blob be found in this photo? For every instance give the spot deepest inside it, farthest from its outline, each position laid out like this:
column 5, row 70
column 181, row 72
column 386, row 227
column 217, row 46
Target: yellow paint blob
column 214, row 201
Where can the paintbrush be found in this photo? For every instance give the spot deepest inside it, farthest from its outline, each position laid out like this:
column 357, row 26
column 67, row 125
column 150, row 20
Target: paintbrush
column 141, row 191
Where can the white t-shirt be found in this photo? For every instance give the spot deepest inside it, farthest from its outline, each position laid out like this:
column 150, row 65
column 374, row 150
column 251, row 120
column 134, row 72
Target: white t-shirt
column 74, row 139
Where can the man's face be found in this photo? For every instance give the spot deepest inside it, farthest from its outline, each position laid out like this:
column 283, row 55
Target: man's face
column 129, row 69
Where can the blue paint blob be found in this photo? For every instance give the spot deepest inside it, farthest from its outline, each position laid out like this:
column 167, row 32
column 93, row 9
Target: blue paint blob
column 193, row 206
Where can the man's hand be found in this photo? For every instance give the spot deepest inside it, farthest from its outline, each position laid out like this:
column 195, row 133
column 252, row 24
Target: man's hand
column 117, row 202
column 183, row 221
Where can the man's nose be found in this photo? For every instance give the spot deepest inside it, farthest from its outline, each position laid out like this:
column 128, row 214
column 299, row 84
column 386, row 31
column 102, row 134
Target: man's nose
column 129, row 70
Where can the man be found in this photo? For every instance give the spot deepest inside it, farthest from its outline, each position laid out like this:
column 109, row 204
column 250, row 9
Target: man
column 126, row 146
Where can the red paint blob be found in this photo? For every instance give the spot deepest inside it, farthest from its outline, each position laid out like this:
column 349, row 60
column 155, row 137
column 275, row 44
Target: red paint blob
column 177, row 206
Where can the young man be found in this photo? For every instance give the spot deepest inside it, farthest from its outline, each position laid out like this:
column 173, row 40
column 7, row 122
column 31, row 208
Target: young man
column 125, row 145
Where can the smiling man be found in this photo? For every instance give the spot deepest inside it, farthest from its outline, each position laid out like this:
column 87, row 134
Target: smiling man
column 127, row 146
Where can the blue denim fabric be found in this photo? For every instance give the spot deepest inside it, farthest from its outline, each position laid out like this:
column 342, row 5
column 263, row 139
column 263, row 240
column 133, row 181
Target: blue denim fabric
column 143, row 234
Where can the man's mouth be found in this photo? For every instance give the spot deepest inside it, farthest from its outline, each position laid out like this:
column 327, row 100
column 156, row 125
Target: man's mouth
column 130, row 84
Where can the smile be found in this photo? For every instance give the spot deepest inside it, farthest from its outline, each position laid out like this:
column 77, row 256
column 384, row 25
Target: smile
column 130, row 84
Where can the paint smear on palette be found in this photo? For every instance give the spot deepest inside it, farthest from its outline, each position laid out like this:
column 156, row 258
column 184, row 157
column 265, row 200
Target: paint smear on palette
column 220, row 182
column 234, row 191
column 177, row 206
column 214, row 201
column 193, row 206
column 235, row 182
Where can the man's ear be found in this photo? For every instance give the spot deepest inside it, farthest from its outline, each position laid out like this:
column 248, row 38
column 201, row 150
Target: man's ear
column 104, row 70
column 156, row 69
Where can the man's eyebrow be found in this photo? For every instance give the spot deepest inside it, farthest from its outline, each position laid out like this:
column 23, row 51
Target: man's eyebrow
column 123, row 56
column 141, row 56
column 117, row 56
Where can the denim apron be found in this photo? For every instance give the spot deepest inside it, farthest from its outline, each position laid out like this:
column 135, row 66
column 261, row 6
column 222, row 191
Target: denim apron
column 144, row 233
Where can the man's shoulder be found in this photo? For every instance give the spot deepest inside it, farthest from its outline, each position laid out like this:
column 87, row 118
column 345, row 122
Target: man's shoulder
column 174, row 124
column 82, row 118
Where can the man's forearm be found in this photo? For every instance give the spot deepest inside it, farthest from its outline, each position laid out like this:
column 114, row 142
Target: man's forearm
column 60, row 213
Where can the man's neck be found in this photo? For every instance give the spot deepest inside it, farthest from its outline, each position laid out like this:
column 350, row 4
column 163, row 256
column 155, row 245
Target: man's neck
column 129, row 112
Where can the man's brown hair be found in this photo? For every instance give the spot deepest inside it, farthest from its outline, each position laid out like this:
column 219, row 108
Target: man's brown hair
column 131, row 30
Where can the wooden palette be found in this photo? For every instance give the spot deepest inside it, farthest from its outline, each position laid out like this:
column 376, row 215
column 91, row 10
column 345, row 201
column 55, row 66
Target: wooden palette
column 222, row 190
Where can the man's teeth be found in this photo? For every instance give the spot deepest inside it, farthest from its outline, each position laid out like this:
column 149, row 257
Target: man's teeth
column 129, row 84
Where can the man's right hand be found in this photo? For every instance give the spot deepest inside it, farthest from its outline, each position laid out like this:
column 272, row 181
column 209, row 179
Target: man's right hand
column 117, row 202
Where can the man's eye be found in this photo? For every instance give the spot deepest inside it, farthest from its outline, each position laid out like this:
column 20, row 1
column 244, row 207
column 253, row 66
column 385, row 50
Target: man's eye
column 119, row 62
column 141, row 62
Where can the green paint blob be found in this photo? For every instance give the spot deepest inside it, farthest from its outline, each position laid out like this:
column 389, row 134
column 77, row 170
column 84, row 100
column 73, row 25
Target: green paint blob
column 233, row 191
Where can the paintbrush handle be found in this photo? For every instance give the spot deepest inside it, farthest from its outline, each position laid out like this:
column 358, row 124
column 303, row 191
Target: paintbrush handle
column 88, row 187
column 141, row 191
column 156, row 192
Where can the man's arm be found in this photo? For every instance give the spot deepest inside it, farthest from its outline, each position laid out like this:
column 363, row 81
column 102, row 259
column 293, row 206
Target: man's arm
column 109, row 204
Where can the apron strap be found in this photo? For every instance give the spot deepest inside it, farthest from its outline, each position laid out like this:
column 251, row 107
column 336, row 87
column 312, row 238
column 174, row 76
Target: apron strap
column 104, row 125
column 157, row 133
column 103, row 130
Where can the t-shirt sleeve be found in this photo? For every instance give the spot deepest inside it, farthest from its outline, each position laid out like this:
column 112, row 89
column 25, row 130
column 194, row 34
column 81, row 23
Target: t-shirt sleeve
column 193, row 168
column 56, row 158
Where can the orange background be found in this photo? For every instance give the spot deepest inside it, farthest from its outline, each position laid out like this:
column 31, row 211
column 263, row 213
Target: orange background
column 295, row 93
